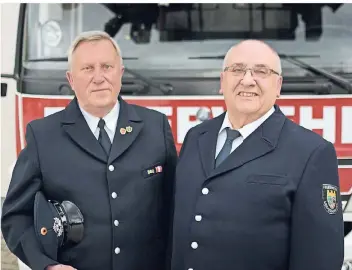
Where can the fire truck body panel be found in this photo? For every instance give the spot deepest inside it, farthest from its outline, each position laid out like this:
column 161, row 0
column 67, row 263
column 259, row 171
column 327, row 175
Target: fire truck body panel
column 9, row 25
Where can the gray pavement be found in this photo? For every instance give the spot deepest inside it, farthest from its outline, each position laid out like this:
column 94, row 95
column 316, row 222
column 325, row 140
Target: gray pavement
column 8, row 260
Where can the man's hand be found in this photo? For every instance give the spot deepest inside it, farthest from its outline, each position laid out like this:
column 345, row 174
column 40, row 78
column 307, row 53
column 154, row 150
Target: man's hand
column 60, row 267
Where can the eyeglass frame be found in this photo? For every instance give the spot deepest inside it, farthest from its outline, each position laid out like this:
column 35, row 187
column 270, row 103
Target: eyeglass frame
column 246, row 69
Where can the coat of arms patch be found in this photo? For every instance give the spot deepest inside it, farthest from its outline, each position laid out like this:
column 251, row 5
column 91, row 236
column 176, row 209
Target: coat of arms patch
column 330, row 198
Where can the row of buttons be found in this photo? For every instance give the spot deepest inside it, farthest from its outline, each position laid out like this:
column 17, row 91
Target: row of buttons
column 194, row 245
column 114, row 196
column 205, row 191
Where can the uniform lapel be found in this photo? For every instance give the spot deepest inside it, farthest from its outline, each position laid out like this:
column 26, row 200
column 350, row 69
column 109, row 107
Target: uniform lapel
column 128, row 127
column 207, row 143
column 262, row 141
column 74, row 124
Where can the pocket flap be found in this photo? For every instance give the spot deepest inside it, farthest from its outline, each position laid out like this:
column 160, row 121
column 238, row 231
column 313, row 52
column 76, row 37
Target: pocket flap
column 267, row 179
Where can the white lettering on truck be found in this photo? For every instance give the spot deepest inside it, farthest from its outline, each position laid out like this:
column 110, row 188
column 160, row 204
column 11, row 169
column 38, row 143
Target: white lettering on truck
column 327, row 123
column 186, row 119
column 346, row 124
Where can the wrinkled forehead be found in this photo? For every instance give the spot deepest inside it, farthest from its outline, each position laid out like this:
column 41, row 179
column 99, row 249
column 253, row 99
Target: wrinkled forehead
column 251, row 56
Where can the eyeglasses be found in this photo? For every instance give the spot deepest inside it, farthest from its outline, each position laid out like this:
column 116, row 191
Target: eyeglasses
column 257, row 71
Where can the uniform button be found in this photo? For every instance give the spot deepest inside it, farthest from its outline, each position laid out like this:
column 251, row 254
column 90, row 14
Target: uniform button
column 114, row 195
column 111, row 168
column 116, row 223
column 205, row 191
column 117, row 250
column 194, row 245
column 198, row 217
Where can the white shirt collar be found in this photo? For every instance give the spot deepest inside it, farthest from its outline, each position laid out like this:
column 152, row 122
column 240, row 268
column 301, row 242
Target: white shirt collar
column 110, row 118
column 249, row 128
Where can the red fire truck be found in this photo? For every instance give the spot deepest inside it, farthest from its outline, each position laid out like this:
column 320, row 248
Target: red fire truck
column 173, row 56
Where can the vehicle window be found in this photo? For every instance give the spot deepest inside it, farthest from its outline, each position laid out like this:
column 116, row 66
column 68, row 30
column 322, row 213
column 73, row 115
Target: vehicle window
column 182, row 45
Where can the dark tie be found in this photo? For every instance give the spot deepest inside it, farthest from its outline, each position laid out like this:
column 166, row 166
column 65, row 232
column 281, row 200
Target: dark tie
column 226, row 149
column 103, row 137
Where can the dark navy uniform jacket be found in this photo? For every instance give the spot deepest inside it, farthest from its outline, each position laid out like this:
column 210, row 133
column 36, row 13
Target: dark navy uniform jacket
column 273, row 204
column 124, row 199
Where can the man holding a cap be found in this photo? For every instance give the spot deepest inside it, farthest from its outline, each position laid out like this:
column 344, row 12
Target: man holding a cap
column 92, row 188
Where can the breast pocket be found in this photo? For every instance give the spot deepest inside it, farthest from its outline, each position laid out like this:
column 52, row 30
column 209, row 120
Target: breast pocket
column 156, row 169
column 267, row 179
column 267, row 196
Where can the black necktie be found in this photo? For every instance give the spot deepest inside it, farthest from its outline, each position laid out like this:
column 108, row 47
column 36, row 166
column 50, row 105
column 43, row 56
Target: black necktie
column 104, row 139
column 226, row 149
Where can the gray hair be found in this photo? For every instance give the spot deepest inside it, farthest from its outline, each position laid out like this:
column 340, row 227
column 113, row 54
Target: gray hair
column 224, row 64
column 91, row 36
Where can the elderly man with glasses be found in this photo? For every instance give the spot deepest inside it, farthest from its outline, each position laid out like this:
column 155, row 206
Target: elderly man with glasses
column 255, row 191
